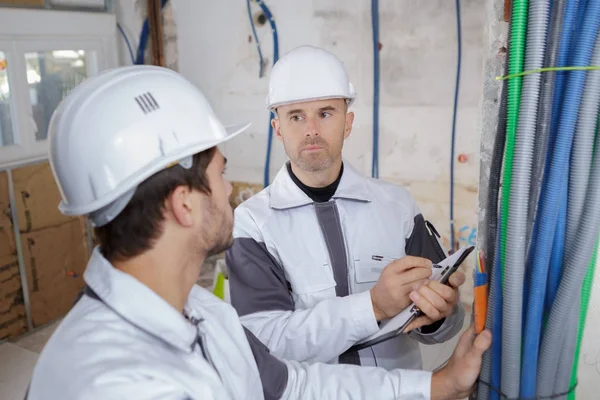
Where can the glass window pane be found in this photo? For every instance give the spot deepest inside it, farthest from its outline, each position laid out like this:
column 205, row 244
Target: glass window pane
column 6, row 127
column 51, row 76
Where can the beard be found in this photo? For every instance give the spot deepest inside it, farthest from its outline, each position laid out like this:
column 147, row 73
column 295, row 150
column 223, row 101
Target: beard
column 216, row 233
column 312, row 161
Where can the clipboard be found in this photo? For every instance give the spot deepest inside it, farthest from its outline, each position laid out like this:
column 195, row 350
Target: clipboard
column 393, row 327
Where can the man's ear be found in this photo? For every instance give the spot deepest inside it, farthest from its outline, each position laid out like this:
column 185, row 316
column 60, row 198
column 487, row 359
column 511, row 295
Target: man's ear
column 180, row 204
column 349, row 122
column 275, row 123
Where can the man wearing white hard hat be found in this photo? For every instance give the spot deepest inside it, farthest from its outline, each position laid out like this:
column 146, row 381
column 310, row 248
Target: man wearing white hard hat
column 134, row 150
column 324, row 254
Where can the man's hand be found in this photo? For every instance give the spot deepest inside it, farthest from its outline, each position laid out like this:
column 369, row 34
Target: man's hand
column 390, row 295
column 436, row 300
column 457, row 379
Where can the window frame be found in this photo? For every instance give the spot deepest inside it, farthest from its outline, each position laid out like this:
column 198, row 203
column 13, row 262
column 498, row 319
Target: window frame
column 25, row 31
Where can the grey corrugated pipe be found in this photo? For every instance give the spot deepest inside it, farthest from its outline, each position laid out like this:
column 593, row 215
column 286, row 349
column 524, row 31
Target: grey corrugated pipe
column 579, row 251
column 579, row 176
column 516, row 235
column 562, row 382
column 545, row 112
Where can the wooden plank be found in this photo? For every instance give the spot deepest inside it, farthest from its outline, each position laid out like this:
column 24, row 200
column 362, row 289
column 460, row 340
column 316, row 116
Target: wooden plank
column 55, row 259
column 37, row 198
column 7, row 235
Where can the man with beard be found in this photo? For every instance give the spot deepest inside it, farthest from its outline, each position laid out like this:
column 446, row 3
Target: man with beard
column 134, row 149
column 323, row 254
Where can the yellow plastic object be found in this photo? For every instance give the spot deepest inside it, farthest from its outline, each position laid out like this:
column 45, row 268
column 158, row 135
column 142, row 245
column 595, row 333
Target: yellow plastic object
column 219, row 289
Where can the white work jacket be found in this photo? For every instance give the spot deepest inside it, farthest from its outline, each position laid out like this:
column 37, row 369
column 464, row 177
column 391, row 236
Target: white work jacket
column 300, row 271
column 122, row 341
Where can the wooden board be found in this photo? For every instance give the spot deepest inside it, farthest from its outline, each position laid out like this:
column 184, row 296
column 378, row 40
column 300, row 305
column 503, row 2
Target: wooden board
column 12, row 311
column 37, row 198
column 7, row 235
column 55, row 259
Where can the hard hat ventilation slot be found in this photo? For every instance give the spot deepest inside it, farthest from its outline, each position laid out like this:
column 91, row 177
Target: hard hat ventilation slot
column 147, row 102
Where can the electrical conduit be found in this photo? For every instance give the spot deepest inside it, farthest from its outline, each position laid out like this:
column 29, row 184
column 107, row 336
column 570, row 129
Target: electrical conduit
column 515, row 252
column 544, row 112
column 561, row 383
column 492, row 232
column 582, row 152
column 375, row 27
column 546, row 219
column 577, row 257
column 511, row 288
column 583, row 145
column 586, row 292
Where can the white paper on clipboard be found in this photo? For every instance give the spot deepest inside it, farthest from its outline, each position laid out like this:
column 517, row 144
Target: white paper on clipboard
column 394, row 324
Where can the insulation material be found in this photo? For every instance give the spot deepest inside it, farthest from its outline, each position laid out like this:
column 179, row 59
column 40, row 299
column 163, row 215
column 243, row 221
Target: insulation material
column 55, row 259
column 37, row 198
column 12, row 311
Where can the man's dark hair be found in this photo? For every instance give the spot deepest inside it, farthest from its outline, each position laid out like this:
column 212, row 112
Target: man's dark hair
column 139, row 225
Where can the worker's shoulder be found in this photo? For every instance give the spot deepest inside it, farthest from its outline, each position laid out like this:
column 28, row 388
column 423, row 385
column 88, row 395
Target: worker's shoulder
column 257, row 204
column 252, row 215
column 386, row 192
column 91, row 342
column 88, row 324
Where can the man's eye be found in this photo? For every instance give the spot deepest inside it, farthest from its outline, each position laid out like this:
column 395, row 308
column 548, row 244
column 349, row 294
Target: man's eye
column 325, row 114
column 296, row 118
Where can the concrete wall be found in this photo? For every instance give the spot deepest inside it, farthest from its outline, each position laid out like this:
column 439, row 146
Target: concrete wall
column 418, row 67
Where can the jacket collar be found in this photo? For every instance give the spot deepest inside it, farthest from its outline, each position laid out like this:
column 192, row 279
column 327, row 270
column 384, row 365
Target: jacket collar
column 138, row 304
column 284, row 193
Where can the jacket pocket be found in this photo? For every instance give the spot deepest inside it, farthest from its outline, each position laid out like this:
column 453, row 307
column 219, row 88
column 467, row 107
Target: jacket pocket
column 367, row 269
column 313, row 279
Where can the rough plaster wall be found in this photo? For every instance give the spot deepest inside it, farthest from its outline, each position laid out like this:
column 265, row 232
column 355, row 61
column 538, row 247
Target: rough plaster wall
column 495, row 58
column 418, row 67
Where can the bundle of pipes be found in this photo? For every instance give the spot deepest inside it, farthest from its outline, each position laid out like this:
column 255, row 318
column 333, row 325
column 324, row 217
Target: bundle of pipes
column 544, row 222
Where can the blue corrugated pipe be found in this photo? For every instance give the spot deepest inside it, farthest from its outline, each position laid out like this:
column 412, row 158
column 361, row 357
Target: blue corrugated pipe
column 558, row 249
column 558, row 246
column 375, row 26
column 453, row 139
column 260, row 56
column 269, row 16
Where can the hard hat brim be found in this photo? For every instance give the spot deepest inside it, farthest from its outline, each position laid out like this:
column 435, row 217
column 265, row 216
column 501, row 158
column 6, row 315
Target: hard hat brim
column 231, row 131
column 234, row 130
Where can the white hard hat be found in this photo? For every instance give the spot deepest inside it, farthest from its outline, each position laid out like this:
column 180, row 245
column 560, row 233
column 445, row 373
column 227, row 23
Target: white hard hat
column 308, row 73
column 120, row 127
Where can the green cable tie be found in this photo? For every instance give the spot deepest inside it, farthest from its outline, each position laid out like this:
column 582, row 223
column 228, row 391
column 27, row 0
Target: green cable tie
column 549, row 69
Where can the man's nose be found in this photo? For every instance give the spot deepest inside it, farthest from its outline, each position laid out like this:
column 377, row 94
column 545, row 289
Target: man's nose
column 312, row 127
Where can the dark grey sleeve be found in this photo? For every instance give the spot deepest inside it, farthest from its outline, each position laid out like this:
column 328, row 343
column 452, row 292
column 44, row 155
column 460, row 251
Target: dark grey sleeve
column 273, row 372
column 256, row 281
column 423, row 242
